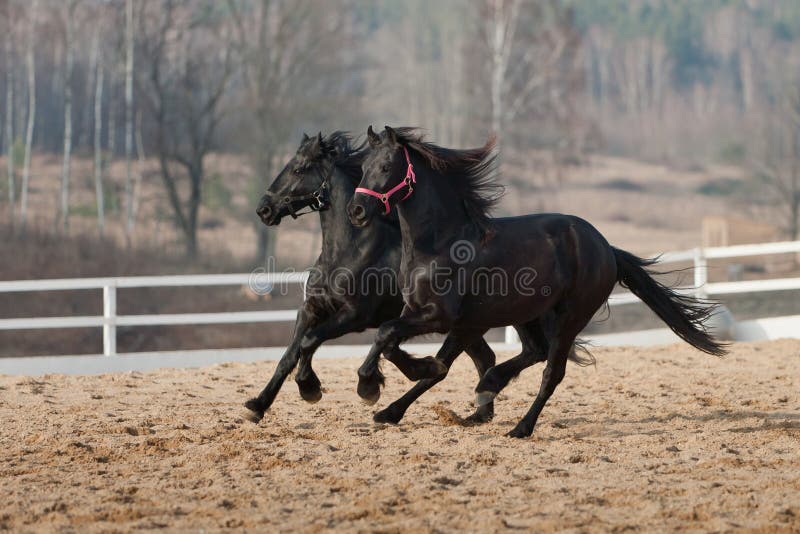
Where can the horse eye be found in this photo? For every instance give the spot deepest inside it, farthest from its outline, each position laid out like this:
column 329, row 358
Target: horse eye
column 298, row 171
column 385, row 167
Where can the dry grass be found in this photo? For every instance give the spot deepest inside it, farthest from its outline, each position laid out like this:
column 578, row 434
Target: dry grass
column 664, row 213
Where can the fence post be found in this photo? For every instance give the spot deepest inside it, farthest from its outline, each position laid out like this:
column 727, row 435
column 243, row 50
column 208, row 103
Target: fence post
column 110, row 319
column 511, row 336
column 700, row 273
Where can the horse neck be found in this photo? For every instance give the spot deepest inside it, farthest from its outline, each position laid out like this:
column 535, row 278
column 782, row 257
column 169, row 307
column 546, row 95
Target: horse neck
column 337, row 232
column 434, row 214
column 341, row 241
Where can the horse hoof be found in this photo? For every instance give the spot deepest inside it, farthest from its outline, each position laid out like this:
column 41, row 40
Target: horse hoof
column 370, row 399
column 479, row 418
column 520, row 433
column 252, row 412
column 369, row 389
column 310, row 388
column 387, row 416
column 484, row 397
column 311, row 397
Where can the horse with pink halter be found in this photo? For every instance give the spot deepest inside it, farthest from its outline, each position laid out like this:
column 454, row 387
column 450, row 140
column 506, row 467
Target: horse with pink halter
column 408, row 181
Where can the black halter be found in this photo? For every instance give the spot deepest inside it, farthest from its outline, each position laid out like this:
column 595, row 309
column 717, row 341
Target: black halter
column 318, row 200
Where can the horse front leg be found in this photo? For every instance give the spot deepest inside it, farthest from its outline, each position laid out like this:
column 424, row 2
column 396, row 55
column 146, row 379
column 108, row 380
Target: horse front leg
column 345, row 321
column 387, row 341
column 450, row 350
column 260, row 404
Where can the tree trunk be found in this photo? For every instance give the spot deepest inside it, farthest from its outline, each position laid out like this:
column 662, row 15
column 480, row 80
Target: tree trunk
column 137, row 184
column 10, row 124
column 746, row 75
column 85, row 133
column 65, row 169
column 498, row 67
column 98, row 133
column 129, row 218
column 794, row 177
column 31, row 63
column 196, row 172
column 111, row 142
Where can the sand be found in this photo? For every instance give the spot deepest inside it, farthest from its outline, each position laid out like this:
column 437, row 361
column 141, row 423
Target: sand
column 653, row 439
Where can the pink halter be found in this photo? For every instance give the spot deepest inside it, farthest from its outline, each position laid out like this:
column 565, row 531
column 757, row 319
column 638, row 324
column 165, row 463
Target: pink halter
column 410, row 178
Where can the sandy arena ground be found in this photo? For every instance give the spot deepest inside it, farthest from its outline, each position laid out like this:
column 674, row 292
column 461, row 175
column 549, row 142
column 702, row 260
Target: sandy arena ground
column 651, row 440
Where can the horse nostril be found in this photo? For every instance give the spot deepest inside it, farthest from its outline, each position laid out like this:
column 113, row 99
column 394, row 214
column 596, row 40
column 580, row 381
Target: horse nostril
column 264, row 211
column 358, row 212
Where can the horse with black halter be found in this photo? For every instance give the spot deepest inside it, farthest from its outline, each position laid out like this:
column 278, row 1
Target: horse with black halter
column 353, row 284
column 558, row 269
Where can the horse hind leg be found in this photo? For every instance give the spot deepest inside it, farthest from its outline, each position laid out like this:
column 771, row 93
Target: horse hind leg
column 534, row 350
column 484, row 359
column 308, row 383
column 561, row 348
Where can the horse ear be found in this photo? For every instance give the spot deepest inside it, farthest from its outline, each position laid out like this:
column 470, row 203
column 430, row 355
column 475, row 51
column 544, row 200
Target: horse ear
column 321, row 142
column 305, row 137
column 315, row 148
column 391, row 134
column 373, row 138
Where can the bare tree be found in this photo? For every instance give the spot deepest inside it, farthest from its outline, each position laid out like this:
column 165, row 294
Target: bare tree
column 777, row 166
column 529, row 50
column 31, row 65
column 140, row 156
column 425, row 83
column 286, row 50
column 9, row 126
column 69, row 47
column 184, row 76
column 502, row 24
column 98, row 128
column 129, row 216
column 111, row 142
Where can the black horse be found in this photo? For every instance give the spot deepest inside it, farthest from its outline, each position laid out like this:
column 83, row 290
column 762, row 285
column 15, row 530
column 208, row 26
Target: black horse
column 465, row 272
column 353, row 284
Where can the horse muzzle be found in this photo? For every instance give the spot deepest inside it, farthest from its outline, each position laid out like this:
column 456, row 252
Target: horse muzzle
column 268, row 212
column 357, row 212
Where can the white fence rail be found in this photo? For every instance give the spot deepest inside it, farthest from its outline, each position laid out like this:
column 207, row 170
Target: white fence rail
column 109, row 321
column 700, row 256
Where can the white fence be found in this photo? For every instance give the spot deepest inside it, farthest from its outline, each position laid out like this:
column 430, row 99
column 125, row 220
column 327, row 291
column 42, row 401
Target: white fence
column 109, row 321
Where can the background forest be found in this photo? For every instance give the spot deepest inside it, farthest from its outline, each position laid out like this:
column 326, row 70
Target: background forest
column 157, row 123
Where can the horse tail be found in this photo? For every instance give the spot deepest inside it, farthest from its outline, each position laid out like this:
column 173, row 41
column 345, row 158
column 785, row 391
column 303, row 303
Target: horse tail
column 685, row 315
column 580, row 355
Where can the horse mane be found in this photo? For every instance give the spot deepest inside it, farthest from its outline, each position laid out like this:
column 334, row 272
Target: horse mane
column 471, row 172
column 347, row 155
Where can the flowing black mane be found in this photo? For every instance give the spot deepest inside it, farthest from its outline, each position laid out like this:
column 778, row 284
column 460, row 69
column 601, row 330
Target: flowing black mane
column 347, row 155
column 471, row 171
